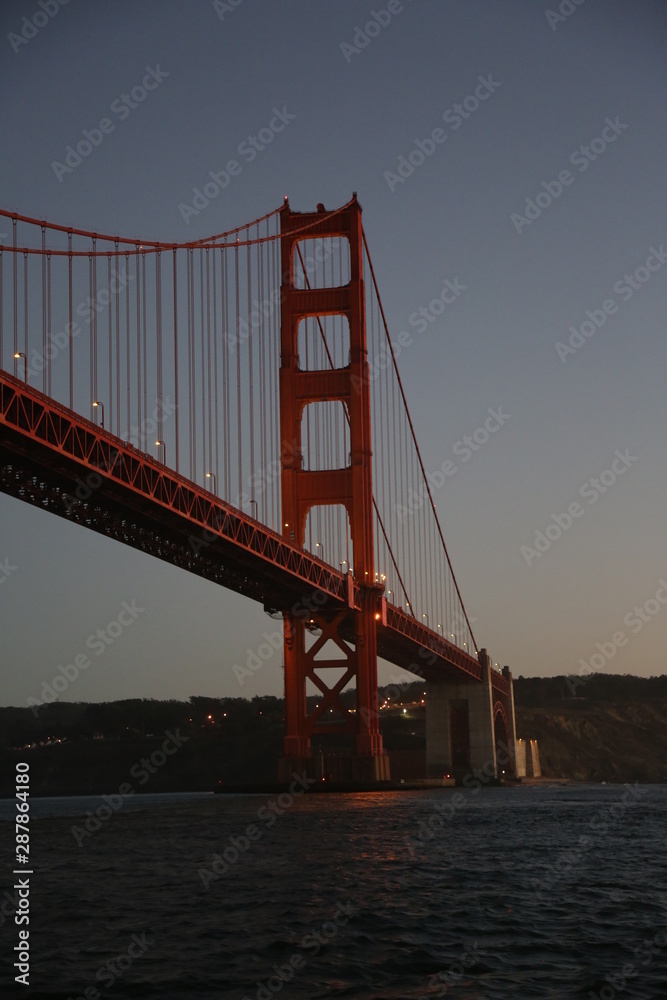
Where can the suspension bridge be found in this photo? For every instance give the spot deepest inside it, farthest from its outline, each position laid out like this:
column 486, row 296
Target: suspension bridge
column 233, row 406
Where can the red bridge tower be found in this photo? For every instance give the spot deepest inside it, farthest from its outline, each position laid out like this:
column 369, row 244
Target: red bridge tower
column 350, row 486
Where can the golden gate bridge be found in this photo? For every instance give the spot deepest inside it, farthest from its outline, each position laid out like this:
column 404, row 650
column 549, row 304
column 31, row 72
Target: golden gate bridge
column 233, row 405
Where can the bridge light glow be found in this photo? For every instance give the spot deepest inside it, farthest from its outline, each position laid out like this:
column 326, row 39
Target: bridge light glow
column 97, row 405
column 20, row 354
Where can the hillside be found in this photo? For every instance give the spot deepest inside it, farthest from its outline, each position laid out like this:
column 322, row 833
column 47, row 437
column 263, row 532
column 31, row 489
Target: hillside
column 601, row 728
column 610, row 728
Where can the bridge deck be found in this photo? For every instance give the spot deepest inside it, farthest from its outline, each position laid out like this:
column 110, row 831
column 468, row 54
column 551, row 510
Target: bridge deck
column 57, row 460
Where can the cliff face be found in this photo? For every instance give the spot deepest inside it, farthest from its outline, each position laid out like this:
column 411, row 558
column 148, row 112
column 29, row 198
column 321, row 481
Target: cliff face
column 601, row 728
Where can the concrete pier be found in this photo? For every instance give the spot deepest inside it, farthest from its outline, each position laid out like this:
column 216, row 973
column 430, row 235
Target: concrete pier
column 470, row 726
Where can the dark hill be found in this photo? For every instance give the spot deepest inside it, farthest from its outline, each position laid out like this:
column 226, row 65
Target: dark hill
column 599, row 728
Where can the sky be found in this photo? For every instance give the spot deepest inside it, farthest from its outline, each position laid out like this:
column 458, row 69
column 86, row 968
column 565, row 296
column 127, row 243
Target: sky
column 515, row 148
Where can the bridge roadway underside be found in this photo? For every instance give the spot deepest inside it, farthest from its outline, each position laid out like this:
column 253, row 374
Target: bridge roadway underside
column 36, row 473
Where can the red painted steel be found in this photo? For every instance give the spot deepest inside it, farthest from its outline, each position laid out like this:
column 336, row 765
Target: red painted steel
column 65, row 447
column 351, row 486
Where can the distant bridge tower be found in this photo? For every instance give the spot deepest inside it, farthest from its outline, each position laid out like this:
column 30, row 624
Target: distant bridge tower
column 350, row 486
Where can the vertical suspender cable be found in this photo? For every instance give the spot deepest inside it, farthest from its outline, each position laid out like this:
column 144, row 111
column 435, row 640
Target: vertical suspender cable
column 216, row 423
column 25, row 304
column 144, row 336
column 239, row 413
column 209, row 373
column 128, row 361
column 93, row 306
column 49, row 326
column 202, row 328
column 110, row 329
column 138, row 372
column 91, row 335
column 44, row 354
column 70, row 325
column 251, row 401
column 176, row 417
column 158, row 343
column 118, row 362
column 226, row 407
column 16, row 292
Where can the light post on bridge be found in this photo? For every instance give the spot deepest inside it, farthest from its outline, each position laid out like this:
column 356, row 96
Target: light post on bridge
column 17, row 355
column 161, row 444
column 211, row 476
column 255, row 503
column 318, row 545
column 97, row 405
column 427, row 621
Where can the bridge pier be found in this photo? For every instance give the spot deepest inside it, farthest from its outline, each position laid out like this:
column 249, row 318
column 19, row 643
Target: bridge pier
column 349, row 769
column 470, row 726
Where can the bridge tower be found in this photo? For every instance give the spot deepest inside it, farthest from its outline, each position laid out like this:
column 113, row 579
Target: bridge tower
column 351, row 486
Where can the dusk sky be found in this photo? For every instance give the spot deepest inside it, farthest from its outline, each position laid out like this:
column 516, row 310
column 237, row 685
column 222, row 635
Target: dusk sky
column 543, row 196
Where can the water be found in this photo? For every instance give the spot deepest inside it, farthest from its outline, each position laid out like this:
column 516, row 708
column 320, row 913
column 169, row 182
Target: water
column 510, row 893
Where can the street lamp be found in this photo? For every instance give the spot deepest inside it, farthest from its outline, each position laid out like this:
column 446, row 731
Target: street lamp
column 100, row 406
column 211, row 476
column 318, row 545
column 426, row 617
column 161, row 444
column 255, row 503
column 347, row 564
column 17, row 355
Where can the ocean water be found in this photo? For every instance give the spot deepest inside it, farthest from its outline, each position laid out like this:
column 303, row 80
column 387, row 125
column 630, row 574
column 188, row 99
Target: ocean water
column 482, row 894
